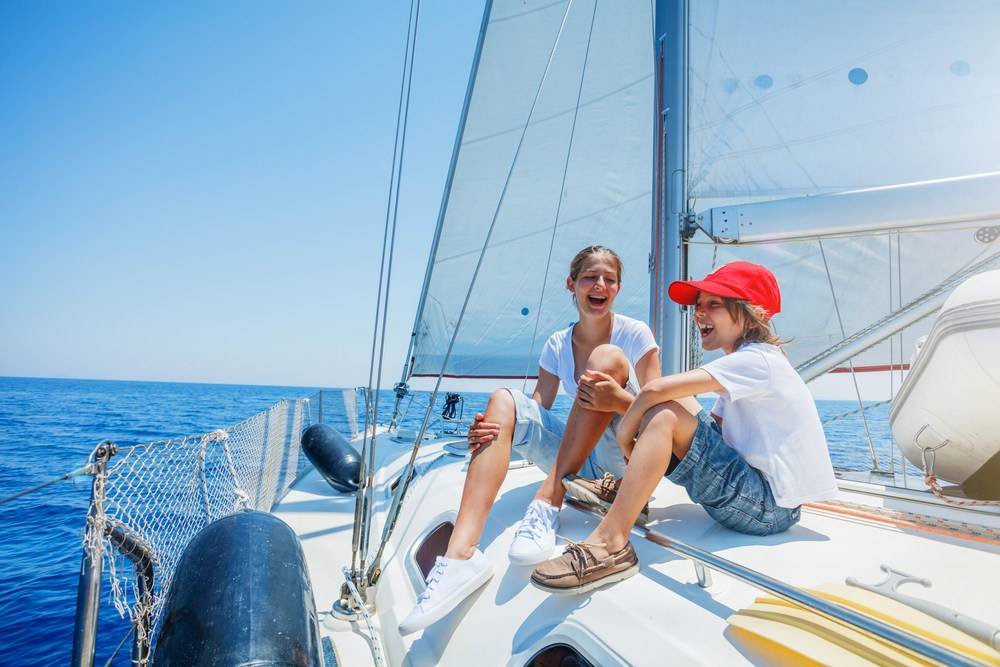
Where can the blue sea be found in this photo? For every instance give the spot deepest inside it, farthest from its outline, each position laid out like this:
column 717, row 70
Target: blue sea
column 49, row 426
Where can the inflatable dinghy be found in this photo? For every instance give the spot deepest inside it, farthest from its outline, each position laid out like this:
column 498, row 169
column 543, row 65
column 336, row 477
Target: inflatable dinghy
column 947, row 412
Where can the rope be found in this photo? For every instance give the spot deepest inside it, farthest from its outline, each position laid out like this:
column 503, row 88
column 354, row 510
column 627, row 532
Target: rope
column 930, row 479
column 922, row 522
column 408, row 474
column 359, row 601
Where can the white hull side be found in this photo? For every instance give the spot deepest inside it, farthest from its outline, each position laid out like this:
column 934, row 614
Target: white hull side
column 660, row 615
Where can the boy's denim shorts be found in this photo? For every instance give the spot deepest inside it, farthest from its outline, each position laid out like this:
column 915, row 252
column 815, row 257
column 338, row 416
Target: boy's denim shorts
column 538, row 433
column 733, row 492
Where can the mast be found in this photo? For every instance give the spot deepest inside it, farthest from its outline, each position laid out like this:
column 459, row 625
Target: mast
column 669, row 254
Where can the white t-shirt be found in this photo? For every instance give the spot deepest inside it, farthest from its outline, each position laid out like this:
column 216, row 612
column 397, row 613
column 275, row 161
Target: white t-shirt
column 633, row 336
column 769, row 417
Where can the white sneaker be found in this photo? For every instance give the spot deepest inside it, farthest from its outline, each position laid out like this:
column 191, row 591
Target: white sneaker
column 535, row 537
column 449, row 582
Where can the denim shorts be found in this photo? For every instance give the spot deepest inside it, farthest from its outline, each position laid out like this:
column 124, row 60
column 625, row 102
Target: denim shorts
column 733, row 492
column 538, row 433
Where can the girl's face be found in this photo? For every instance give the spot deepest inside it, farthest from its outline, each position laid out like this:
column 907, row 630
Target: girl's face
column 596, row 286
column 717, row 327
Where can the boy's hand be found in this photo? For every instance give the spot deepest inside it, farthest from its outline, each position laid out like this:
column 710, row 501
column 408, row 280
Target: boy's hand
column 628, row 428
column 481, row 432
column 600, row 392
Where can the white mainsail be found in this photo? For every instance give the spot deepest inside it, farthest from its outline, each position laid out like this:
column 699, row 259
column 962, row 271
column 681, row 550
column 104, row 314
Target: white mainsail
column 582, row 176
column 835, row 105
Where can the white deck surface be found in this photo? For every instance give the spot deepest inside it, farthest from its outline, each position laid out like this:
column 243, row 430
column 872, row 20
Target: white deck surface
column 659, row 616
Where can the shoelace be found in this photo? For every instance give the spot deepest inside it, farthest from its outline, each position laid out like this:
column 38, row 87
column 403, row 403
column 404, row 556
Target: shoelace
column 433, row 578
column 580, row 557
column 531, row 525
column 609, row 484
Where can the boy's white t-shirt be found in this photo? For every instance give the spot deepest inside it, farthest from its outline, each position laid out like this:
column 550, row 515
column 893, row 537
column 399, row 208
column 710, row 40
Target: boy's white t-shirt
column 633, row 336
column 769, row 417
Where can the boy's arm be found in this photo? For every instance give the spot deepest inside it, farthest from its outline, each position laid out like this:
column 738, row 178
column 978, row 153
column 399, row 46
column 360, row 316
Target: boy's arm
column 661, row 390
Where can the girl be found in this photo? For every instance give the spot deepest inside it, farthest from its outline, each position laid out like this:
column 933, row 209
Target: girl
column 592, row 360
column 751, row 463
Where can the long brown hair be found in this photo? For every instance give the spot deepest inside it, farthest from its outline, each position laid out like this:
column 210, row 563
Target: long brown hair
column 755, row 321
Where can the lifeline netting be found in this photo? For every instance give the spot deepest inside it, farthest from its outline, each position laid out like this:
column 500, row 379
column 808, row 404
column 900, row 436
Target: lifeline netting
column 160, row 495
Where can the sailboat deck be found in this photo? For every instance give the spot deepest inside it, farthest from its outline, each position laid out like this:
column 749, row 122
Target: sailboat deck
column 661, row 613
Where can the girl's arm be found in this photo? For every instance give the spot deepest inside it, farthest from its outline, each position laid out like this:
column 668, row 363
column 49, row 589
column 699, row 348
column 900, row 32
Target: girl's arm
column 661, row 390
column 546, row 388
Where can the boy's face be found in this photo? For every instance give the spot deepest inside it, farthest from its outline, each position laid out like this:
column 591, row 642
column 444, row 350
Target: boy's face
column 717, row 327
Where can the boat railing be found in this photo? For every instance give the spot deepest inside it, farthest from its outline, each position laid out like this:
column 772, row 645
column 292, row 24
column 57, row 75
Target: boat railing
column 704, row 561
column 149, row 500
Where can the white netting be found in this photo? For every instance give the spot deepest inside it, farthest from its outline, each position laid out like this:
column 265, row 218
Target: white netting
column 160, row 495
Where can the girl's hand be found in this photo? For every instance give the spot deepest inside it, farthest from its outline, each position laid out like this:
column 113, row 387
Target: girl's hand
column 600, row 392
column 481, row 432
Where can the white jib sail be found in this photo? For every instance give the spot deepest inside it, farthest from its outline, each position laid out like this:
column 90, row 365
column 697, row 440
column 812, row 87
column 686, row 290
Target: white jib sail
column 582, row 176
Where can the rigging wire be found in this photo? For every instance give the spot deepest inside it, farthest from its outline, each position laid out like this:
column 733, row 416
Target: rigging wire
column 118, row 648
column 38, row 487
column 374, row 570
column 361, row 509
column 562, row 192
column 850, row 362
column 388, row 279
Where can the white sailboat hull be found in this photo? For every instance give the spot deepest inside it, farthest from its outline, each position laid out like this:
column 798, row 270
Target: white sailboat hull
column 953, row 389
column 659, row 616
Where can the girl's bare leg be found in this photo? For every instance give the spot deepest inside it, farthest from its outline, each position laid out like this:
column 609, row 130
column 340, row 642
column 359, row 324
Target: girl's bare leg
column 584, row 428
column 667, row 428
column 486, row 473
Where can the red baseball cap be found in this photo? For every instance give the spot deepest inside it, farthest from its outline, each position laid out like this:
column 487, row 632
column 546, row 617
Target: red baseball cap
column 739, row 280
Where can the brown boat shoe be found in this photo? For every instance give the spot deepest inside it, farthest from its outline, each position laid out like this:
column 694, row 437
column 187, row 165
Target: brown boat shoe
column 599, row 492
column 578, row 570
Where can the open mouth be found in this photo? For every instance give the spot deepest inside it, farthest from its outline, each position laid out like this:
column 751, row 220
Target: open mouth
column 597, row 300
column 705, row 329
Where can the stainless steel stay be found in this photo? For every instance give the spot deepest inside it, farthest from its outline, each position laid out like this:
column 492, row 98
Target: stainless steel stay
column 831, row 610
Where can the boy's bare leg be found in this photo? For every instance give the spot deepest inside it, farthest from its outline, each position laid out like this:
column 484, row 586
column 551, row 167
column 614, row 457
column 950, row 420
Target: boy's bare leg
column 584, row 427
column 486, row 473
column 667, row 428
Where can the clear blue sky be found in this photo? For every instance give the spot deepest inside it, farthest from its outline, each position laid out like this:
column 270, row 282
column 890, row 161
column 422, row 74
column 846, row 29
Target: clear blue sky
column 196, row 191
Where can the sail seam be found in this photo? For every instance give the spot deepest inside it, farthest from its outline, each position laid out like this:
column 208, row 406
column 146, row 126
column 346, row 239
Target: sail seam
column 562, row 194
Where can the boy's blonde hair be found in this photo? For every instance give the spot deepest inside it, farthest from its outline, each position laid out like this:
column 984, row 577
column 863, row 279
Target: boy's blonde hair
column 755, row 321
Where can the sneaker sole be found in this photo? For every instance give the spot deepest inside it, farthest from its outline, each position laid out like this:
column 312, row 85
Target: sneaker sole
column 589, row 586
column 587, row 496
column 442, row 610
column 540, row 557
